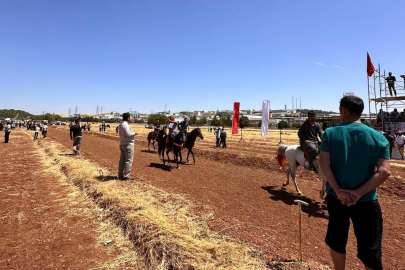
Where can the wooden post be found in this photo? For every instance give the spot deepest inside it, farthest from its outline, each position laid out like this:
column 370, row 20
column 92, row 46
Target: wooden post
column 299, row 223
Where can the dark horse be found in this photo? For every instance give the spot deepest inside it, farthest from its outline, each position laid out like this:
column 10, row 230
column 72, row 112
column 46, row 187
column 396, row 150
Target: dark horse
column 191, row 137
column 152, row 138
column 177, row 147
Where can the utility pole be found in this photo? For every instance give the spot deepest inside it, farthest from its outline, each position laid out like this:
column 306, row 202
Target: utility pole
column 43, row 112
column 97, row 111
column 70, row 112
column 76, row 111
column 292, row 99
column 101, row 110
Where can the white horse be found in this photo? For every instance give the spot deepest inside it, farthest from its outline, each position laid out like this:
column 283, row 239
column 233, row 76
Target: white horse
column 295, row 157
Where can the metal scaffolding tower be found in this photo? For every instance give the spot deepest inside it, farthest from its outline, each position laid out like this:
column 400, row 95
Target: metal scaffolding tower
column 378, row 93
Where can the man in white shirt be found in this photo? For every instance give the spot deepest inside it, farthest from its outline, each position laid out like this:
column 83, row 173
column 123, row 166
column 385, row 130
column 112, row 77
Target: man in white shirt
column 45, row 130
column 400, row 140
column 127, row 143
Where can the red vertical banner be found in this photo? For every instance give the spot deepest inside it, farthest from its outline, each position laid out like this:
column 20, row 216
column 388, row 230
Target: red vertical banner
column 235, row 121
column 370, row 66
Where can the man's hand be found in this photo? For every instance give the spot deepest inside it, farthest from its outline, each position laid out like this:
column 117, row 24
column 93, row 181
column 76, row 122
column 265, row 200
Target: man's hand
column 355, row 195
column 307, row 142
column 345, row 198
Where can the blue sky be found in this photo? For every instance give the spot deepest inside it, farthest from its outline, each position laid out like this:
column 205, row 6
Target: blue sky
column 192, row 55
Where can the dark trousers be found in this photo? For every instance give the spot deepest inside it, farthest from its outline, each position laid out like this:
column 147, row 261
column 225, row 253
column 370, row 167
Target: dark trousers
column 6, row 136
column 223, row 142
column 35, row 135
column 392, row 87
column 390, row 151
column 312, row 150
column 217, row 142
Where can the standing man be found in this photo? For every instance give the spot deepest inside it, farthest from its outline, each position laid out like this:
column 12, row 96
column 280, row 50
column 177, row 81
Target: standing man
column 185, row 126
column 45, row 130
column 7, row 131
column 391, row 83
column 127, row 143
column 217, row 134
column 76, row 136
column 400, row 142
column 350, row 152
column 308, row 134
column 223, row 137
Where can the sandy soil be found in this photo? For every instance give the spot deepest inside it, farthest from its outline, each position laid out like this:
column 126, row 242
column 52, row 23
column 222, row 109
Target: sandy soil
column 41, row 222
column 242, row 186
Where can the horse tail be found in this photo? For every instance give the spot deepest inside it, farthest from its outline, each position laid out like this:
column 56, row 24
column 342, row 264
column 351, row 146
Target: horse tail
column 281, row 159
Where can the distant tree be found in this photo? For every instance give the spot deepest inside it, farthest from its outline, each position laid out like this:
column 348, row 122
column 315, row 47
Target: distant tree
column 202, row 121
column 153, row 117
column 295, row 125
column 193, row 120
column 215, row 122
column 244, row 122
column 284, row 124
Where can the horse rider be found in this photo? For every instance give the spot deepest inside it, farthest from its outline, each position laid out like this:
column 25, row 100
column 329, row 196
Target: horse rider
column 173, row 130
column 156, row 128
column 308, row 134
column 185, row 125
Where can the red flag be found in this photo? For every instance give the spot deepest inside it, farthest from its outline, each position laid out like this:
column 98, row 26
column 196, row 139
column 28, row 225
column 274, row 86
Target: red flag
column 370, row 66
column 235, row 118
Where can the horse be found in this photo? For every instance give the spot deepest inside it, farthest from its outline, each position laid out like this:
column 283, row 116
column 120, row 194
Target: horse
column 151, row 137
column 295, row 157
column 190, row 140
column 176, row 149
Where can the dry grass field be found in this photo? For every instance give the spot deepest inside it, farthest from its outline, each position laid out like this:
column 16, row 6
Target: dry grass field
column 227, row 211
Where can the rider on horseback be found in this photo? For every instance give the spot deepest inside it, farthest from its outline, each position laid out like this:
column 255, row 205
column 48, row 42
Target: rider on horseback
column 156, row 127
column 173, row 130
column 308, row 134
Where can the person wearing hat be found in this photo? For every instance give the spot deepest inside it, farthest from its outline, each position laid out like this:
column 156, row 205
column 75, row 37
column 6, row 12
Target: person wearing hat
column 400, row 140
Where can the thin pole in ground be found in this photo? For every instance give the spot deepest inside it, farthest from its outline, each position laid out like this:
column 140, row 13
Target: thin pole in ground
column 299, row 222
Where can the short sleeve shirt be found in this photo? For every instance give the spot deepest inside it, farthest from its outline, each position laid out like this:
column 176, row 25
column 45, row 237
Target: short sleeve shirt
column 77, row 131
column 354, row 151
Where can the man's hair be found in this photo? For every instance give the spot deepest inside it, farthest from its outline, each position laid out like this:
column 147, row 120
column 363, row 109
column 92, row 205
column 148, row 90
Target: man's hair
column 125, row 116
column 353, row 104
column 77, row 121
column 311, row 113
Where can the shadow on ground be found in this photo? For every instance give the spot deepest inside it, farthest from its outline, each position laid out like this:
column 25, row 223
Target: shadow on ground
column 67, row 155
column 107, row 178
column 160, row 166
column 147, row 151
column 314, row 208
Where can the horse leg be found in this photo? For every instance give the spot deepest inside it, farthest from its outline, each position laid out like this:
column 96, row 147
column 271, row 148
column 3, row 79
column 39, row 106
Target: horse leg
column 154, row 149
column 288, row 178
column 322, row 191
column 168, row 158
column 148, row 146
column 181, row 158
column 188, row 155
column 295, row 183
column 192, row 153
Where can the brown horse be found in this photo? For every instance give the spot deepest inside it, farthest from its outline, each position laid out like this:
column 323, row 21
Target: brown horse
column 177, row 147
column 152, row 138
column 190, row 141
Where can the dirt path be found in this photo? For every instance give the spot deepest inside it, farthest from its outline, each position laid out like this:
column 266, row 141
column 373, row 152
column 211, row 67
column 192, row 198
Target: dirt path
column 248, row 202
column 42, row 224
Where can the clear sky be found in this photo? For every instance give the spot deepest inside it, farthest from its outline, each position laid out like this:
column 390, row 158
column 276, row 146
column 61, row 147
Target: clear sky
column 192, row 55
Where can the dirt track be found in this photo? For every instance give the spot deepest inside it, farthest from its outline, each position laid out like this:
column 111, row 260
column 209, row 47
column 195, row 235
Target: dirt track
column 247, row 200
column 41, row 222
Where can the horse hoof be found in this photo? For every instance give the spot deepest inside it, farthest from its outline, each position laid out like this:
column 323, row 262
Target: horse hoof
column 284, row 184
column 300, row 193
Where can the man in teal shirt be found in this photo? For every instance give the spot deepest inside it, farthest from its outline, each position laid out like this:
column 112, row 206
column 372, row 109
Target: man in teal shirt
column 350, row 152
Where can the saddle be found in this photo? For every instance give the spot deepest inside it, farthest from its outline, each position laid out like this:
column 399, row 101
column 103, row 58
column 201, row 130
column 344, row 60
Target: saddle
column 306, row 153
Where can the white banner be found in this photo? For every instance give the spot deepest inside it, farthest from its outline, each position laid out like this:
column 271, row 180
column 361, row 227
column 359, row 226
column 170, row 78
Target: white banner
column 265, row 117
